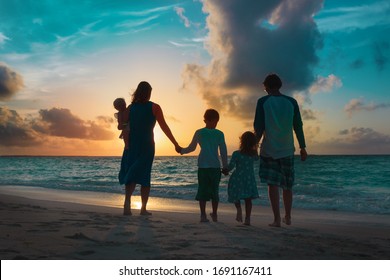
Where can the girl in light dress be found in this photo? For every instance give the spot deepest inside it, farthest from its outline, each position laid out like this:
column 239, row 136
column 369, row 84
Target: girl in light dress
column 242, row 183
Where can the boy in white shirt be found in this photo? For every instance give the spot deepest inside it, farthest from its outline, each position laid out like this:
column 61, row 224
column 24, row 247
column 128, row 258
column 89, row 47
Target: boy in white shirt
column 210, row 140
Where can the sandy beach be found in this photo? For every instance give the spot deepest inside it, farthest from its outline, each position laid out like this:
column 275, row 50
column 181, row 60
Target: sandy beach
column 48, row 228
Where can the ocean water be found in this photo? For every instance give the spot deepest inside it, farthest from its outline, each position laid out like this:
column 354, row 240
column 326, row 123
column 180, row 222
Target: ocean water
column 339, row 183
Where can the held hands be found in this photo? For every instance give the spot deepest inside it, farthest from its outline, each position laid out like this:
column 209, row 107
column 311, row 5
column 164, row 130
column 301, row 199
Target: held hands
column 303, row 154
column 178, row 148
column 225, row 171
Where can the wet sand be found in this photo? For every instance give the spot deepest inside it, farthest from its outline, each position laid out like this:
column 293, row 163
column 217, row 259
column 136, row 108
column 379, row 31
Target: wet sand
column 52, row 227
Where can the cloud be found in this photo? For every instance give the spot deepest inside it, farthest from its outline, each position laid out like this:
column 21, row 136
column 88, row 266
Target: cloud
column 147, row 12
column 16, row 56
column 3, row 39
column 193, row 43
column 180, row 12
column 381, row 60
column 10, row 82
column 141, row 20
column 367, row 137
column 344, row 132
column 325, row 84
column 244, row 50
column 354, row 17
column 14, row 131
column 133, row 23
column 182, row 45
column 63, row 29
column 309, row 115
column 357, row 140
column 357, row 105
column 61, row 122
column 311, row 134
column 320, row 85
column 173, row 119
column 37, row 21
column 357, row 64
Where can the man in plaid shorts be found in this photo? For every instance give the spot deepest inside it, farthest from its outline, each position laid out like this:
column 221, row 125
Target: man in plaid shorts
column 277, row 115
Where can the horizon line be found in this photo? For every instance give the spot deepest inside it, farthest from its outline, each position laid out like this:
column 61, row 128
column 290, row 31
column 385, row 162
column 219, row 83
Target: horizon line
column 310, row 155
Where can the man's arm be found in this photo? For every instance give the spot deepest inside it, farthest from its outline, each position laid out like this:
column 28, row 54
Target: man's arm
column 259, row 122
column 298, row 127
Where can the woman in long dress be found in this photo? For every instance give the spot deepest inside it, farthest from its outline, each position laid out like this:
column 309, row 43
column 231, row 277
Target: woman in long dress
column 137, row 160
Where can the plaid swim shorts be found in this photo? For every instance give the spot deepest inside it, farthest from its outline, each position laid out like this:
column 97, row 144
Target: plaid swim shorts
column 277, row 172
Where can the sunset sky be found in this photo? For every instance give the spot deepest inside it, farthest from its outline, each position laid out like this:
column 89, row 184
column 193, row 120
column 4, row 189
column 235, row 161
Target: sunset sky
column 62, row 63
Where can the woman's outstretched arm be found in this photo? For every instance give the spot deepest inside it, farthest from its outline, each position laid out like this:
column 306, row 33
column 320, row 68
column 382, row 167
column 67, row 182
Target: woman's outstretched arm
column 158, row 113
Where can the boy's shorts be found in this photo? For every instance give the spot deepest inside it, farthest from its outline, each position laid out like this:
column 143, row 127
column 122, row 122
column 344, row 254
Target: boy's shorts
column 208, row 180
column 277, row 172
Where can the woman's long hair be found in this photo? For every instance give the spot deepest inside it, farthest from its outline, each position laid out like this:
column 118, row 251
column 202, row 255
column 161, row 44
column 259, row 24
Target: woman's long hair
column 142, row 93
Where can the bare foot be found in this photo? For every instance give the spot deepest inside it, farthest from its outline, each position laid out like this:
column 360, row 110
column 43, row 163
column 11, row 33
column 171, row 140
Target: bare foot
column 145, row 213
column 275, row 224
column 239, row 216
column 287, row 220
column 126, row 209
column 247, row 221
column 203, row 219
column 127, row 212
column 214, row 217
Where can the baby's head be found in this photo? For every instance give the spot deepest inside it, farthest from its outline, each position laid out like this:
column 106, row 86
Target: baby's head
column 120, row 104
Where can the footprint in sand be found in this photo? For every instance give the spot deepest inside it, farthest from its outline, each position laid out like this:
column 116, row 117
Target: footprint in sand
column 80, row 236
column 86, row 253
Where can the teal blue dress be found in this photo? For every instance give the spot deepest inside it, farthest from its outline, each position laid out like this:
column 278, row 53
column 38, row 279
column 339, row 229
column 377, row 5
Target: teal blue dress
column 242, row 183
column 137, row 160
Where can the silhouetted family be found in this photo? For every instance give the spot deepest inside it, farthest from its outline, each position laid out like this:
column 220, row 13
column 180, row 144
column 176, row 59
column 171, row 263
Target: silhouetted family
column 276, row 117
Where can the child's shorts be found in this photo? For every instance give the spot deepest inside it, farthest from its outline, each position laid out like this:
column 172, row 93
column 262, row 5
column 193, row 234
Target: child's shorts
column 277, row 172
column 208, row 180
